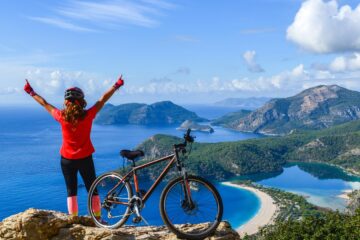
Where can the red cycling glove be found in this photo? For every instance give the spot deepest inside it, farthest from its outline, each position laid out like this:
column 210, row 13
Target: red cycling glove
column 28, row 89
column 119, row 83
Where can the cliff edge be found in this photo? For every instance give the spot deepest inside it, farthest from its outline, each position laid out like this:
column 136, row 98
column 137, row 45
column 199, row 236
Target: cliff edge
column 35, row 224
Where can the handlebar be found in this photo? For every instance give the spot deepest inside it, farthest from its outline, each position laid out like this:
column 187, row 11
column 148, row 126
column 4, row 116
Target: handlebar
column 187, row 138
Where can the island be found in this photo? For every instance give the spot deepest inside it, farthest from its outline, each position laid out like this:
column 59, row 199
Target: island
column 159, row 113
column 188, row 124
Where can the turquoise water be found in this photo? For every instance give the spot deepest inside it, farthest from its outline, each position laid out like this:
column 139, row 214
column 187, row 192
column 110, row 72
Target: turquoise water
column 321, row 184
column 30, row 168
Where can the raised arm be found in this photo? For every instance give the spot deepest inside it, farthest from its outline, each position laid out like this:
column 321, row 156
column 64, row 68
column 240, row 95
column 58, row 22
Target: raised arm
column 107, row 95
column 29, row 90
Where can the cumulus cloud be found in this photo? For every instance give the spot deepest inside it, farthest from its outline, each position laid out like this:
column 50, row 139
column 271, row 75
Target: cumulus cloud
column 9, row 90
column 250, row 62
column 346, row 63
column 54, row 82
column 324, row 27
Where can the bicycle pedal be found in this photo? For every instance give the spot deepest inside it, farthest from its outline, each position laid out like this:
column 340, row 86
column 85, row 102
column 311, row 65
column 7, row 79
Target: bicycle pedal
column 136, row 219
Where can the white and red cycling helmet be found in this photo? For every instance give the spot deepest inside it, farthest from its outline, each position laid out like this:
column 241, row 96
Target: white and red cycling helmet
column 74, row 93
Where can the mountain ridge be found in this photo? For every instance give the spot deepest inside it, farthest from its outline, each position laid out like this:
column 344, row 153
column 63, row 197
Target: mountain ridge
column 314, row 108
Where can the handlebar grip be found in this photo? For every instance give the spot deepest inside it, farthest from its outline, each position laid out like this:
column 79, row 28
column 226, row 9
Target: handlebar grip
column 188, row 132
column 188, row 137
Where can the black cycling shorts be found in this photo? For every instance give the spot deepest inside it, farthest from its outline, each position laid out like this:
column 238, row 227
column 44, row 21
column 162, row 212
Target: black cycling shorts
column 71, row 167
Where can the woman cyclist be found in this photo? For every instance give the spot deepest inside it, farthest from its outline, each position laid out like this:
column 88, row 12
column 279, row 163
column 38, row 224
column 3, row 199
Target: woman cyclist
column 76, row 150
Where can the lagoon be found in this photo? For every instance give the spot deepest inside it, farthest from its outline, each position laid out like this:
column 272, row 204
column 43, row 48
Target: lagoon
column 319, row 183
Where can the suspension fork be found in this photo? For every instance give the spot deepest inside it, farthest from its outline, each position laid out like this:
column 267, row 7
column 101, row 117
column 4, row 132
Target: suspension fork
column 185, row 185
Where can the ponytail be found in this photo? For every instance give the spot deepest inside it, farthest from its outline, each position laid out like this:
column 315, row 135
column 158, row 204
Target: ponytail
column 74, row 111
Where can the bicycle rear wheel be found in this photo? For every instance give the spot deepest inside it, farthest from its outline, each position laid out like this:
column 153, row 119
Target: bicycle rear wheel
column 206, row 210
column 106, row 190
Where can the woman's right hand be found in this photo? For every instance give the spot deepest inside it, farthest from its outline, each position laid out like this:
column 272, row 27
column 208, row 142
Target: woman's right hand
column 28, row 89
column 119, row 83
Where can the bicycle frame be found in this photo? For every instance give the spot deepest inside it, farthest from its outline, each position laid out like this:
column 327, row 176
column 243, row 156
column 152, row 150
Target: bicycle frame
column 171, row 158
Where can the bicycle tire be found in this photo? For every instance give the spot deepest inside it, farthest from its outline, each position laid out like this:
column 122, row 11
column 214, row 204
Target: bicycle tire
column 94, row 187
column 177, row 228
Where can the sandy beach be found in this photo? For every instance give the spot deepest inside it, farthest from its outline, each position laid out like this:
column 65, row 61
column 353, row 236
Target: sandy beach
column 345, row 194
column 264, row 216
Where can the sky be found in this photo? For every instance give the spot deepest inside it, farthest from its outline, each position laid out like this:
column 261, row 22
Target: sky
column 189, row 52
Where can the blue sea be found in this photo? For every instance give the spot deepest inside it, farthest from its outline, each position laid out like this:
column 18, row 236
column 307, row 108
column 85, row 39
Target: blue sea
column 30, row 163
column 31, row 176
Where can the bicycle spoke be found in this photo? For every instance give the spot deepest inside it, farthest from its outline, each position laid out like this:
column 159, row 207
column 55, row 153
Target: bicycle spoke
column 204, row 208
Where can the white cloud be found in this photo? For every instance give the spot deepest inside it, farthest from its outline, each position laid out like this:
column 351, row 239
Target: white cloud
column 251, row 64
column 324, row 27
column 9, row 90
column 106, row 14
column 61, row 24
column 346, row 63
column 53, row 82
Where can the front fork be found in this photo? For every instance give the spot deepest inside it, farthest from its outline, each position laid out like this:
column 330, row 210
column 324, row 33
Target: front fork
column 186, row 185
column 187, row 191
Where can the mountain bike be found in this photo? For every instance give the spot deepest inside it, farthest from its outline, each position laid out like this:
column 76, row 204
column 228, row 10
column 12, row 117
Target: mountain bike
column 185, row 200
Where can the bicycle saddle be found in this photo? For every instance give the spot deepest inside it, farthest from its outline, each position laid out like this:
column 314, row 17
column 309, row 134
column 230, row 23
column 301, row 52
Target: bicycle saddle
column 131, row 155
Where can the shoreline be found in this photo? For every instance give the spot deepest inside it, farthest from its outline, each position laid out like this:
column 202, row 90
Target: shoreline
column 345, row 194
column 264, row 216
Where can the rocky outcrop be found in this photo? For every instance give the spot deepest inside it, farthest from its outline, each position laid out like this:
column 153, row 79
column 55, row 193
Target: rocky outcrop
column 315, row 108
column 195, row 127
column 34, row 224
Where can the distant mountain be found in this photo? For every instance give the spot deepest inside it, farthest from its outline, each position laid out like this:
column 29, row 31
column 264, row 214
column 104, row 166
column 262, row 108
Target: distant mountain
column 164, row 112
column 315, row 108
column 243, row 103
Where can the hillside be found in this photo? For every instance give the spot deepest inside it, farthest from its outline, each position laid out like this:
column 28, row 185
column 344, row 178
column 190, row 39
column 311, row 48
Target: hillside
column 315, row 108
column 332, row 225
column 230, row 117
column 337, row 145
column 164, row 112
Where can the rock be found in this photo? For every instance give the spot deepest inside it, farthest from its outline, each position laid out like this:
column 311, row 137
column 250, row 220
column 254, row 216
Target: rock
column 195, row 127
column 35, row 224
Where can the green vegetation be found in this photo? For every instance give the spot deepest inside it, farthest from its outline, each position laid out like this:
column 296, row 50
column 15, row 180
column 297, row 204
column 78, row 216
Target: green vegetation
column 338, row 145
column 330, row 225
column 230, row 118
column 218, row 160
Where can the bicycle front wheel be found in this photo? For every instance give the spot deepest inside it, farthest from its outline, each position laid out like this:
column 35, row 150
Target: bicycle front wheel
column 109, row 200
column 205, row 210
